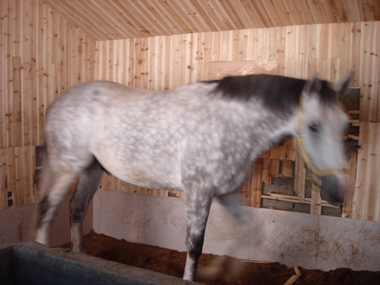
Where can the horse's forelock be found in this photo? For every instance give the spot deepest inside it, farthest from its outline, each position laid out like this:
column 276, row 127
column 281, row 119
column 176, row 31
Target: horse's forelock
column 327, row 94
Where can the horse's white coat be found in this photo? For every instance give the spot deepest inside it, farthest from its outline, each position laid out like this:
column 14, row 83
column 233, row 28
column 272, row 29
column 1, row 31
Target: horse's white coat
column 190, row 138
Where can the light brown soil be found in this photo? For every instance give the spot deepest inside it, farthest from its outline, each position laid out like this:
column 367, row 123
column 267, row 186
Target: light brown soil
column 172, row 262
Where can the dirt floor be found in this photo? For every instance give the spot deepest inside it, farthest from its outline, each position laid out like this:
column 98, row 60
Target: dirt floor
column 234, row 271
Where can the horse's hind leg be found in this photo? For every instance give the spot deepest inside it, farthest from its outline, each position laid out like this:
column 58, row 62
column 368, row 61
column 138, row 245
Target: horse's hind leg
column 86, row 187
column 55, row 186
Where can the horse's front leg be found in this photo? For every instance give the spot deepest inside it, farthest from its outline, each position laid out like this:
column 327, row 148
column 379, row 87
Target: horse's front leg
column 197, row 210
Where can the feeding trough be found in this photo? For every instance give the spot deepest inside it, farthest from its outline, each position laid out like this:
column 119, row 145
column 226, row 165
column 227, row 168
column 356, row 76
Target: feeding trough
column 32, row 263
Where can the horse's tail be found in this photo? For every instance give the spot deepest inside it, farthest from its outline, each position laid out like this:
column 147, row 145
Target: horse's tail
column 44, row 175
column 52, row 187
column 43, row 185
column 42, row 182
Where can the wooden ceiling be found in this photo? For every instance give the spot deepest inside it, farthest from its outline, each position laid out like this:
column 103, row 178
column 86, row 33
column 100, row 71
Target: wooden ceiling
column 122, row 19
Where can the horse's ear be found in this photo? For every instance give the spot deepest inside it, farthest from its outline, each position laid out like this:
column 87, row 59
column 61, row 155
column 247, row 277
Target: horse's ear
column 341, row 86
column 314, row 85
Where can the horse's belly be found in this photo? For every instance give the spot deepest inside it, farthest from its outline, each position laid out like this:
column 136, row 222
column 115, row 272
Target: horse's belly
column 164, row 175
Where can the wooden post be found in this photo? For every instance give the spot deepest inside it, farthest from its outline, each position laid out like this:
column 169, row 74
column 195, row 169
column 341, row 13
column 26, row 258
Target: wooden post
column 300, row 177
column 348, row 199
column 257, row 183
column 316, row 201
column 361, row 182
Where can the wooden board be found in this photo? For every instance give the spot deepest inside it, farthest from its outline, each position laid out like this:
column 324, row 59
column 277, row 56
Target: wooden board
column 35, row 45
column 220, row 69
column 349, row 198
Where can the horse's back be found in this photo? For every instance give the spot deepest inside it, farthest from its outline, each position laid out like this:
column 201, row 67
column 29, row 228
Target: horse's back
column 135, row 134
column 88, row 103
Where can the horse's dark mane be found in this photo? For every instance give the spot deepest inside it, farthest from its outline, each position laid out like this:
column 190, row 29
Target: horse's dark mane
column 278, row 93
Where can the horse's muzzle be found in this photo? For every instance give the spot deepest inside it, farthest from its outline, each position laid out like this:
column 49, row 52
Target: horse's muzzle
column 332, row 189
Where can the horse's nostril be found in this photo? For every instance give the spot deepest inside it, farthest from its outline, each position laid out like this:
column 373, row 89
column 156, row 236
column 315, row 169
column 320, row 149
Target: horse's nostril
column 332, row 198
column 331, row 189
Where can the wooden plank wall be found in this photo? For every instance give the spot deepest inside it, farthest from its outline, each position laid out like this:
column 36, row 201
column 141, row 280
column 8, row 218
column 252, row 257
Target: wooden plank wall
column 41, row 54
column 366, row 197
column 332, row 50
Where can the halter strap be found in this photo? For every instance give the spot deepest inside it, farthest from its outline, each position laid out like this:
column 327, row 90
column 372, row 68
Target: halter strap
column 298, row 144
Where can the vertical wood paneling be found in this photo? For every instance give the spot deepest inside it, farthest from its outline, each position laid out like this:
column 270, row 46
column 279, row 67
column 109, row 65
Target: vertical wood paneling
column 10, row 178
column 17, row 111
column 40, row 62
column 26, row 84
column 331, row 50
column 366, row 196
column 363, row 155
column 3, row 179
column 8, row 70
column 41, row 54
column 2, row 76
column 372, row 195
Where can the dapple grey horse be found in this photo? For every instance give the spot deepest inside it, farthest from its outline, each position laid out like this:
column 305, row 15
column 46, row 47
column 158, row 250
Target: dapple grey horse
column 201, row 138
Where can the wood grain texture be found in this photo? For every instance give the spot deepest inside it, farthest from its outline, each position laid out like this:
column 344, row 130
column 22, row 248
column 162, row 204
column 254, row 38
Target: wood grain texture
column 332, row 50
column 41, row 54
column 366, row 195
column 122, row 19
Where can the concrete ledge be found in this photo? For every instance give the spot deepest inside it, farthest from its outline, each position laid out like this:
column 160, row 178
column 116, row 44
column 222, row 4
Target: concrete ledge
column 17, row 224
column 293, row 239
column 31, row 263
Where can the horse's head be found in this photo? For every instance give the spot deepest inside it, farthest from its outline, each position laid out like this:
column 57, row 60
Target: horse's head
column 321, row 124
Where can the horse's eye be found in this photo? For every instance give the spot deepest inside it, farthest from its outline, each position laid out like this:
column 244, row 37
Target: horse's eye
column 314, row 127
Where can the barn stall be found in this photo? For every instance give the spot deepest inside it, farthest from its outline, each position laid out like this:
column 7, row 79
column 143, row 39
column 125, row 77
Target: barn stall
column 47, row 46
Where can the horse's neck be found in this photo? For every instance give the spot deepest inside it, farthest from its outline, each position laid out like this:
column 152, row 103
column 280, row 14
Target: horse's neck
column 272, row 128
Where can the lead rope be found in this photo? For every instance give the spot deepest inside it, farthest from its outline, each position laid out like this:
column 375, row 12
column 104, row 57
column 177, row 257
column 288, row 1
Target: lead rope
column 298, row 144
